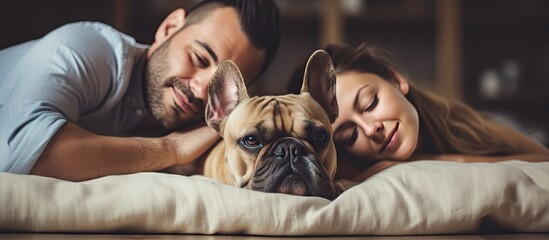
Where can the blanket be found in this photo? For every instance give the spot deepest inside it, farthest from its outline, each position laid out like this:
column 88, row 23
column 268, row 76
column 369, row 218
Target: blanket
column 423, row 197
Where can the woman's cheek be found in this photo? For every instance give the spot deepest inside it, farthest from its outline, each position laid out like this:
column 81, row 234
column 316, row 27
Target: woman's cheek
column 408, row 146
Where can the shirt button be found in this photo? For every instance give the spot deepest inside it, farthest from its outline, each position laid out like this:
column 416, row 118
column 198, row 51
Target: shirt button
column 139, row 112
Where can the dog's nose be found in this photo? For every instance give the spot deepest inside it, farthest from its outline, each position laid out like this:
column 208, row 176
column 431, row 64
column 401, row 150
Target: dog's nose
column 290, row 150
column 295, row 153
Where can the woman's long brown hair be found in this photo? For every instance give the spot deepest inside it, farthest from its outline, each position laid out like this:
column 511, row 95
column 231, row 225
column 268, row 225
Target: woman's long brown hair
column 446, row 126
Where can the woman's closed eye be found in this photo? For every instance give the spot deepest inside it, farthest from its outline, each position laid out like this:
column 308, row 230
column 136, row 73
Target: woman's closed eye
column 372, row 105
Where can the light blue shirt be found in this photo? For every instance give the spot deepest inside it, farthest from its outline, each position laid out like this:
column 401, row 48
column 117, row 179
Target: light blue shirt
column 85, row 73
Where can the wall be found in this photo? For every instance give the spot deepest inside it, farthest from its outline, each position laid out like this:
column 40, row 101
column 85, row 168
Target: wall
column 458, row 47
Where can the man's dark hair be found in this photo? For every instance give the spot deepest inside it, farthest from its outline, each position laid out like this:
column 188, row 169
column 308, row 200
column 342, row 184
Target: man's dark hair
column 259, row 20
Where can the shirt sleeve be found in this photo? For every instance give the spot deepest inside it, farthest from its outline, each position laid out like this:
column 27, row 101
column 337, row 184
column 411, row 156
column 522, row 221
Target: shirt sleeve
column 65, row 74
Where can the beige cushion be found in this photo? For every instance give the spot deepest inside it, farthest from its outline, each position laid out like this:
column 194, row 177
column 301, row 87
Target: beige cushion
column 425, row 197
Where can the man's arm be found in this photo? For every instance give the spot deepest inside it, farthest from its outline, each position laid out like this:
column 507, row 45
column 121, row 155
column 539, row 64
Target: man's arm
column 76, row 154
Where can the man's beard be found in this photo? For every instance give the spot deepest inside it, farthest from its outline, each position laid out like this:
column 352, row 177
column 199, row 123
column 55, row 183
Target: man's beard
column 157, row 80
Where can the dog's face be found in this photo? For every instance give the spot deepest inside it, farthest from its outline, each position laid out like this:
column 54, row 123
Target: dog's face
column 278, row 143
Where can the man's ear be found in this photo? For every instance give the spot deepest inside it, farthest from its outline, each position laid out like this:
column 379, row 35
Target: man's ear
column 170, row 25
column 319, row 81
column 225, row 90
column 401, row 82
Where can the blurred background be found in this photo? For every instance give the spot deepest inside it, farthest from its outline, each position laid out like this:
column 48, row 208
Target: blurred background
column 492, row 54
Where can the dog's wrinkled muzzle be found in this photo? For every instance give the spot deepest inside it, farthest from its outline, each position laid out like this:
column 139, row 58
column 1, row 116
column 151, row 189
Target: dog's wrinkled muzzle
column 293, row 168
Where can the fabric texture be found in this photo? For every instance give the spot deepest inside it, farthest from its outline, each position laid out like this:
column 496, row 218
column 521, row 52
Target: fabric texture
column 86, row 73
column 424, row 197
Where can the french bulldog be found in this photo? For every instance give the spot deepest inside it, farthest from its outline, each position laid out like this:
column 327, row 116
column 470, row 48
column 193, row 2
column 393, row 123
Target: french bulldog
column 277, row 144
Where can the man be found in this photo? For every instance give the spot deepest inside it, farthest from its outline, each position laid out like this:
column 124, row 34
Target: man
column 86, row 101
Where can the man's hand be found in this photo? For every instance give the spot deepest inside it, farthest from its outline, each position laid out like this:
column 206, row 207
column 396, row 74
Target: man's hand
column 191, row 143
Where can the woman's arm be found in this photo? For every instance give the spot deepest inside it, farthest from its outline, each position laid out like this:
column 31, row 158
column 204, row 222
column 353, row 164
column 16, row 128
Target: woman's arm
column 520, row 142
column 521, row 146
column 465, row 158
column 351, row 171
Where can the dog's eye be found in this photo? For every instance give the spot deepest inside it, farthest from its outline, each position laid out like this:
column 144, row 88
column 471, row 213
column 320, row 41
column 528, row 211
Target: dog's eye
column 320, row 136
column 251, row 141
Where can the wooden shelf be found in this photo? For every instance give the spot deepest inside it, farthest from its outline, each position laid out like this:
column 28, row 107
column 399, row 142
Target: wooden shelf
column 505, row 11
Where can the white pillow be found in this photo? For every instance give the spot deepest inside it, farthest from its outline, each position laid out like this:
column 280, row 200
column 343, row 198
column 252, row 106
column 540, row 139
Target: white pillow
column 424, row 197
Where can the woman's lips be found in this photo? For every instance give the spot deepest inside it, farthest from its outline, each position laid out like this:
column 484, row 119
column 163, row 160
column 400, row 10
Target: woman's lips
column 183, row 102
column 391, row 141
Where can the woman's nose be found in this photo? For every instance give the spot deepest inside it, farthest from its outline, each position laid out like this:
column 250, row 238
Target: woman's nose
column 373, row 129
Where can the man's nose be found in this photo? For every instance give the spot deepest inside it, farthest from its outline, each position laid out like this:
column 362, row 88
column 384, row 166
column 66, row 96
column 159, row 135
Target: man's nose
column 199, row 87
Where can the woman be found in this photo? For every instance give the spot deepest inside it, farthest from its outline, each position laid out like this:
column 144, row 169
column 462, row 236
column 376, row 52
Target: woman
column 384, row 120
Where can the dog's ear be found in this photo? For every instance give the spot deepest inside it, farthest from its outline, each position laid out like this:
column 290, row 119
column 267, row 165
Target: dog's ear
column 319, row 81
column 225, row 90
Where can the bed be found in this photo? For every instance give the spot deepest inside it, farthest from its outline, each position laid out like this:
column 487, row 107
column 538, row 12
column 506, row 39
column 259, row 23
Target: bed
column 416, row 198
